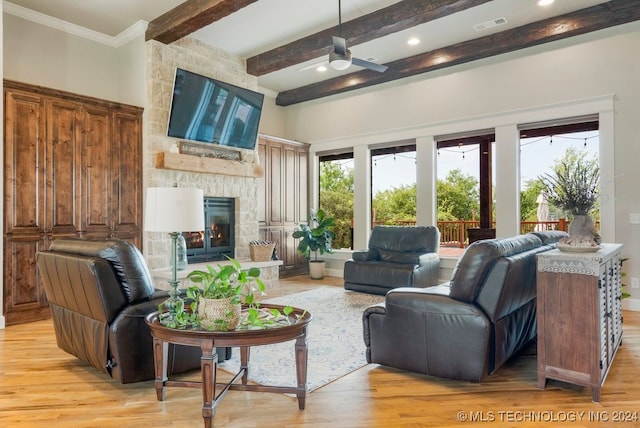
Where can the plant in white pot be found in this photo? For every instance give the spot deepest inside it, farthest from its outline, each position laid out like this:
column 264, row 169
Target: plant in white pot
column 574, row 187
column 316, row 237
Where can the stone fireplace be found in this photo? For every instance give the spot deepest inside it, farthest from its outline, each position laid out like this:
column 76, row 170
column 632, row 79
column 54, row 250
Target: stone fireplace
column 217, row 240
column 241, row 181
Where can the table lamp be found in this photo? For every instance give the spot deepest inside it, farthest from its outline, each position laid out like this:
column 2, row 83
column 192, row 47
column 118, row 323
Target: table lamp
column 174, row 210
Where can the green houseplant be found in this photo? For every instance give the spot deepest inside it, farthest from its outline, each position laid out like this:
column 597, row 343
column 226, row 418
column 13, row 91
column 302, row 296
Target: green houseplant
column 230, row 287
column 221, row 292
column 315, row 237
column 574, row 187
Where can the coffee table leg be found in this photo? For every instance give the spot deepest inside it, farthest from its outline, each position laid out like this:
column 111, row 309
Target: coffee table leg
column 160, row 358
column 244, row 363
column 301, row 369
column 208, row 366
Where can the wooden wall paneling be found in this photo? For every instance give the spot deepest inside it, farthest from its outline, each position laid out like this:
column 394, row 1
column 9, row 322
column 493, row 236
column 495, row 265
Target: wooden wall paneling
column 95, row 172
column 285, row 197
column 275, row 185
column 62, row 151
column 72, row 169
column 263, row 197
column 302, row 186
column 24, row 218
column 289, row 190
column 126, row 157
column 24, row 296
column 23, row 145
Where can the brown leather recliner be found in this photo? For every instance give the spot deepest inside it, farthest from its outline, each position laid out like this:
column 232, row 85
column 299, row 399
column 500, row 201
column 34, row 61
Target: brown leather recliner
column 466, row 328
column 99, row 293
column 398, row 256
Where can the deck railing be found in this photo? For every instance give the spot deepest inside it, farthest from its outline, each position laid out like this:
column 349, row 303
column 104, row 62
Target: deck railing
column 456, row 233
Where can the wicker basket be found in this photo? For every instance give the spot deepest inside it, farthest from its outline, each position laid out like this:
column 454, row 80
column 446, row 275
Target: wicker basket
column 261, row 252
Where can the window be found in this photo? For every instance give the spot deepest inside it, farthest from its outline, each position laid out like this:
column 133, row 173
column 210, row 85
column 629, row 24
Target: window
column 393, row 185
column 336, row 195
column 465, row 188
column 542, row 146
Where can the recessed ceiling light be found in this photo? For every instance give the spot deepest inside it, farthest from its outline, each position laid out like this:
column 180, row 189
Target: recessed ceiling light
column 545, row 2
column 413, row 41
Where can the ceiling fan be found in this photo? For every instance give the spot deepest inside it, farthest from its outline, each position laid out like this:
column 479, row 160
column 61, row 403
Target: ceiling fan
column 340, row 57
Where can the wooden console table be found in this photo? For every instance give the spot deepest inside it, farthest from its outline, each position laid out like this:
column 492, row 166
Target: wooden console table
column 579, row 299
column 209, row 340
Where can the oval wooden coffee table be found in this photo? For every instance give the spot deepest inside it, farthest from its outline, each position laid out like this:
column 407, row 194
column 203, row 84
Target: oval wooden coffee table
column 244, row 339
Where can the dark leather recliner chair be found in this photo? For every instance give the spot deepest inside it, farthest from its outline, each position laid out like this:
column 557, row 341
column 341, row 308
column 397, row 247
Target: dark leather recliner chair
column 99, row 293
column 398, row 256
column 466, row 328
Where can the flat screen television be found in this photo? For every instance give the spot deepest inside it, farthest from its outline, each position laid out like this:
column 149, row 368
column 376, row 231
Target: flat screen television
column 207, row 110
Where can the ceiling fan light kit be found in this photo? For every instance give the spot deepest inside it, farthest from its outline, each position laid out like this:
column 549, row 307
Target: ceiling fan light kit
column 340, row 62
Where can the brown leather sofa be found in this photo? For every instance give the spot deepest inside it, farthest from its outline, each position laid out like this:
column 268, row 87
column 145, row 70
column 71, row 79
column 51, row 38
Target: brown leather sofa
column 398, row 256
column 466, row 328
column 99, row 293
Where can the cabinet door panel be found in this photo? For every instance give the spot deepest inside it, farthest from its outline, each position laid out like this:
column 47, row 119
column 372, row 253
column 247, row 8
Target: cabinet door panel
column 302, row 210
column 291, row 179
column 62, row 151
column 263, row 200
column 127, row 178
column 24, row 167
column 275, row 185
column 95, row 171
column 24, row 297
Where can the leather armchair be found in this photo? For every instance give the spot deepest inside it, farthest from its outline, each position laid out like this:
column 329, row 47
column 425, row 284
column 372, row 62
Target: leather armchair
column 99, row 293
column 398, row 256
column 468, row 327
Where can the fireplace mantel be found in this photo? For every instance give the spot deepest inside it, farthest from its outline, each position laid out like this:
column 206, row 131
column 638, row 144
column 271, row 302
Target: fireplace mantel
column 182, row 162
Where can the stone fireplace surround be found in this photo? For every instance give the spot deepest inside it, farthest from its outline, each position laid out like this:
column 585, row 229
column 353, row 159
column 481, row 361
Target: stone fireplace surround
column 192, row 55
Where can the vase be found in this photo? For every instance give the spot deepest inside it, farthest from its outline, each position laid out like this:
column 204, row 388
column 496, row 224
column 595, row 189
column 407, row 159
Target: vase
column 316, row 269
column 218, row 314
column 583, row 225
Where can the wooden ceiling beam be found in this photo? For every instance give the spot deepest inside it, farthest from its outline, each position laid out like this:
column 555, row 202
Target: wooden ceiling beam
column 191, row 16
column 397, row 17
column 605, row 15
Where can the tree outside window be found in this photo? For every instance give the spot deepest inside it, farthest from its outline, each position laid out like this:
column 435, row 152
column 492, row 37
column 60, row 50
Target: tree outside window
column 336, row 197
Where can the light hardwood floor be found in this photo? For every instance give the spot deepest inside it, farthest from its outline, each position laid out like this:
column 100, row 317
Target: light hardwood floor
column 42, row 386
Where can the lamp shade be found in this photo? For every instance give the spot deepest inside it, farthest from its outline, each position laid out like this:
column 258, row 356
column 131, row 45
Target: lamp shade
column 174, row 209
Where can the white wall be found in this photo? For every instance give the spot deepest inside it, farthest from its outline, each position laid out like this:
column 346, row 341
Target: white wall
column 597, row 71
column 52, row 58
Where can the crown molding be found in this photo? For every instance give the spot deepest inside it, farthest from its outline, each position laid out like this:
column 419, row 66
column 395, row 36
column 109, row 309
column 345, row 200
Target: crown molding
column 136, row 30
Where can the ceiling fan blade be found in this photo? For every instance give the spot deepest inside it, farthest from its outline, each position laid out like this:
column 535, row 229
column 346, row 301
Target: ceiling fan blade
column 370, row 65
column 339, row 45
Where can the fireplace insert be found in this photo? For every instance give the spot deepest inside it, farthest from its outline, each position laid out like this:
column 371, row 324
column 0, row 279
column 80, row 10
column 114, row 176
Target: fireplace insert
column 217, row 241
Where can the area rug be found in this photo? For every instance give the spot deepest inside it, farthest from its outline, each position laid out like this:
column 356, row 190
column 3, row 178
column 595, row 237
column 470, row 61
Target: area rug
column 334, row 340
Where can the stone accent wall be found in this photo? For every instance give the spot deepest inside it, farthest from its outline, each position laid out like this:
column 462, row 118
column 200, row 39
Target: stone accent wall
column 162, row 61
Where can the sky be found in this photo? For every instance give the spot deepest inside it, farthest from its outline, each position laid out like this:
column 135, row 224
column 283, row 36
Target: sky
column 538, row 155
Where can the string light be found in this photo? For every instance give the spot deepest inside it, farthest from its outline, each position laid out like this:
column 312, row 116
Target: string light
column 565, row 137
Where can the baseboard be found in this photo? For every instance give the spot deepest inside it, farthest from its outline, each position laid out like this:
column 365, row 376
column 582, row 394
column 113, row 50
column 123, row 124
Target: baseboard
column 334, row 272
column 631, row 304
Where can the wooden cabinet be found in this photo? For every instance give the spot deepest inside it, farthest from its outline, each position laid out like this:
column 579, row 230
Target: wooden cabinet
column 283, row 198
column 579, row 315
column 72, row 168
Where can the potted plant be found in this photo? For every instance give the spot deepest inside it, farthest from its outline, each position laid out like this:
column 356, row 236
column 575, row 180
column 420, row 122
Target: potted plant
column 222, row 290
column 316, row 237
column 574, row 187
